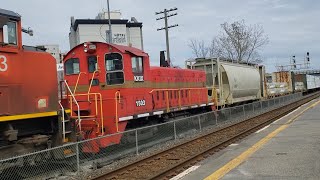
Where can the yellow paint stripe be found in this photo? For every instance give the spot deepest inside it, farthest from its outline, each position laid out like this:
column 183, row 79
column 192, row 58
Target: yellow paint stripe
column 242, row 157
column 27, row 116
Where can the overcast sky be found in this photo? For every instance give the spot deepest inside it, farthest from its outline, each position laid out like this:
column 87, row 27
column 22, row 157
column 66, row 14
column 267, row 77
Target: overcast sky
column 293, row 27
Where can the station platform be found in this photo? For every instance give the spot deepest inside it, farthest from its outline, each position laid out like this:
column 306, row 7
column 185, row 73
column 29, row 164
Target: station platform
column 289, row 148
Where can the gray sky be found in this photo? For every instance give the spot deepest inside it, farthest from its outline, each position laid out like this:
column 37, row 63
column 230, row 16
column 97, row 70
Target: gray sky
column 292, row 26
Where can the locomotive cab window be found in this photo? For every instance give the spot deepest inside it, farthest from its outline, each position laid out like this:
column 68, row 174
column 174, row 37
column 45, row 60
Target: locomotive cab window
column 114, row 68
column 137, row 65
column 8, row 32
column 92, row 64
column 72, row 66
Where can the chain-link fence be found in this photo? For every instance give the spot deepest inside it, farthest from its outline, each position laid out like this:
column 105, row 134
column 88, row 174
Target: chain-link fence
column 70, row 159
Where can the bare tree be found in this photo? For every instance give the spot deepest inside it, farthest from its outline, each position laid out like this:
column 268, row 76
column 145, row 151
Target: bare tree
column 198, row 48
column 237, row 42
column 240, row 42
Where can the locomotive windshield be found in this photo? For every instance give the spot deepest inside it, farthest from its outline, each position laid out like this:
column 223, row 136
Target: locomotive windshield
column 72, row 66
column 114, row 68
column 8, row 32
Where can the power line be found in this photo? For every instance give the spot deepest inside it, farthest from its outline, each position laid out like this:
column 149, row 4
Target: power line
column 166, row 27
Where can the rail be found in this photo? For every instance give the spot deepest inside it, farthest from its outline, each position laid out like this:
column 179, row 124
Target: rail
column 117, row 100
column 166, row 163
column 96, row 99
column 179, row 95
column 91, row 82
column 76, row 102
column 76, row 86
column 63, row 121
column 30, row 166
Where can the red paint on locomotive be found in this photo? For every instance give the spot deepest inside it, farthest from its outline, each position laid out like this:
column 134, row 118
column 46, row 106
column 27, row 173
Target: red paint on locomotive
column 114, row 84
column 26, row 74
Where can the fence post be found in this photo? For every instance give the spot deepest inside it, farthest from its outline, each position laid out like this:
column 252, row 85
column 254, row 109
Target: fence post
column 199, row 119
column 137, row 145
column 216, row 117
column 253, row 107
column 174, row 130
column 244, row 113
column 78, row 157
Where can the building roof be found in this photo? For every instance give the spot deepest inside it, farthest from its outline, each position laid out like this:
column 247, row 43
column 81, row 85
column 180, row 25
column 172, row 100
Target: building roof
column 105, row 21
column 10, row 14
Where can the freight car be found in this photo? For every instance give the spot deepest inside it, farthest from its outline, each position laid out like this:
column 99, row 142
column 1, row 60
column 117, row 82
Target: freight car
column 231, row 83
column 29, row 118
column 112, row 86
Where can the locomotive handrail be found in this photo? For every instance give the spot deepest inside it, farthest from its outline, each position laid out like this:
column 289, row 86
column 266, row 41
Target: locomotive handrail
column 63, row 121
column 116, row 95
column 91, row 82
column 179, row 96
column 75, row 88
column 96, row 105
column 76, row 102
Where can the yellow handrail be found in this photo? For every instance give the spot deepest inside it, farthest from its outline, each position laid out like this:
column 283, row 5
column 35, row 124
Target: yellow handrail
column 96, row 106
column 94, row 72
column 117, row 94
column 167, row 94
column 75, row 88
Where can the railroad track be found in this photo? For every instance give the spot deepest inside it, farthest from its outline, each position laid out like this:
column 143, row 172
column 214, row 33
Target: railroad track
column 169, row 163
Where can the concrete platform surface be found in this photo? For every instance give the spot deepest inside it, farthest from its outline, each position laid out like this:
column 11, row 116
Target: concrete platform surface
column 290, row 149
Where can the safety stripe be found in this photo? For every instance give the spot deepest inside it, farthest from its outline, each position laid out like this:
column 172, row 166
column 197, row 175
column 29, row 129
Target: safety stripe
column 143, row 115
column 202, row 105
column 125, row 118
column 157, row 112
column 27, row 116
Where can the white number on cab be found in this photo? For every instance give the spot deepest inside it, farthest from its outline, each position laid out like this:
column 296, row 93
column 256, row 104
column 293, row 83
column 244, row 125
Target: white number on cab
column 140, row 103
column 3, row 63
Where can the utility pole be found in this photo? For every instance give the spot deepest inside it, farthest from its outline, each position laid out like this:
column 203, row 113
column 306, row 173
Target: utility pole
column 166, row 27
column 109, row 19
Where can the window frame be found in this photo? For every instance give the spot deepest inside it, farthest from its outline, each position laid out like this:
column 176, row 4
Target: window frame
column 65, row 69
column 142, row 65
column 7, row 33
column 96, row 65
column 105, row 66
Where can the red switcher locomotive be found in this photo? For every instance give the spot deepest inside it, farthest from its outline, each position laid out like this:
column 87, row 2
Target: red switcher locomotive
column 111, row 86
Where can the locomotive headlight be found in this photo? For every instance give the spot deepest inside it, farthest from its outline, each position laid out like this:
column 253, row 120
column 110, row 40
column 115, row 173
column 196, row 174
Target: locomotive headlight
column 89, row 47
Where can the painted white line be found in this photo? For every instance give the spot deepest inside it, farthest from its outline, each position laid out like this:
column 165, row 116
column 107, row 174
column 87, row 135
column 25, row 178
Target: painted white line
column 210, row 104
column 194, row 106
column 234, row 144
column 262, row 129
column 181, row 175
column 286, row 115
column 183, row 108
column 157, row 112
column 125, row 118
column 143, row 115
column 202, row 105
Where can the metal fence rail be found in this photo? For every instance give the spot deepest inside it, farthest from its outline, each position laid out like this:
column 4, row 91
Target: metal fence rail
column 70, row 159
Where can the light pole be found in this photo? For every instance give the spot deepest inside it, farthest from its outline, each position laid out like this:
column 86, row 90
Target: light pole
column 110, row 31
column 166, row 28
